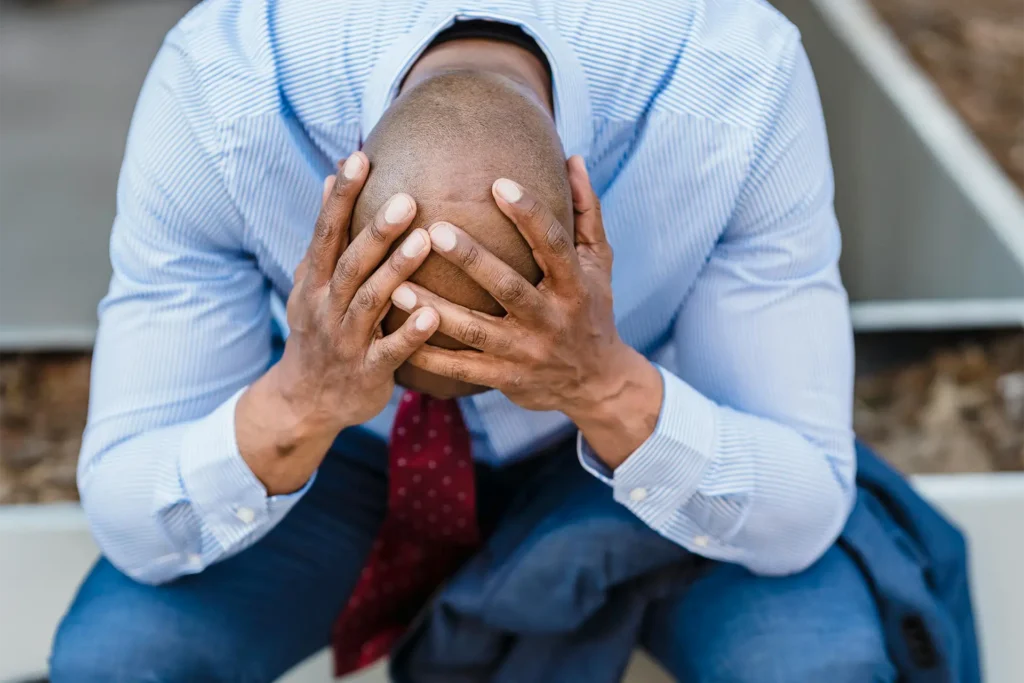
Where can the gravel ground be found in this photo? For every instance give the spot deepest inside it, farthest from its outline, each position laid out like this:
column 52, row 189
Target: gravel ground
column 974, row 52
column 43, row 401
column 959, row 408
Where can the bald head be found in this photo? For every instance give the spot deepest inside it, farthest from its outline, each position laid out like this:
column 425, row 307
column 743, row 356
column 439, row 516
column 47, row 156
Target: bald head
column 444, row 142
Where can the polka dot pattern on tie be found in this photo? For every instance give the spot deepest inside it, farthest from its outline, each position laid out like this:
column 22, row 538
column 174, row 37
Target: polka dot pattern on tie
column 429, row 529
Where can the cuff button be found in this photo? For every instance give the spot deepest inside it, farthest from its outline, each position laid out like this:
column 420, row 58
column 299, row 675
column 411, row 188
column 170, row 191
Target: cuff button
column 245, row 515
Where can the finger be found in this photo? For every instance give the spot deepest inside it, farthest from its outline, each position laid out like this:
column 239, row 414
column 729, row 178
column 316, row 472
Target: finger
column 328, row 187
column 509, row 288
column 369, row 248
column 465, row 366
column 473, row 328
column 394, row 349
column 552, row 247
column 330, row 235
column 591, row 239
column 300, row 271
column 372, row 299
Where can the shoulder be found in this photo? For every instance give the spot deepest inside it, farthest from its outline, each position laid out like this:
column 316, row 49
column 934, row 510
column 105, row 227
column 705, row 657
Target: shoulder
column 245, row 55
column 225, row 63
column 723, row 60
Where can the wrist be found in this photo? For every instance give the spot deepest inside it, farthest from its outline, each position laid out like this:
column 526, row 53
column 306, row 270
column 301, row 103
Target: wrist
column 282, row 441
column 297, row 407
column 625, row 407
column 622, row 379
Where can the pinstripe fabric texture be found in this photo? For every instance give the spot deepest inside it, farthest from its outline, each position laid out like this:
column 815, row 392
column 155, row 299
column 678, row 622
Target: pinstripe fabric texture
column 701, row 127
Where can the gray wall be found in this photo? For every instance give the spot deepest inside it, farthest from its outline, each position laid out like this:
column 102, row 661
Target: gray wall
column 921, row 204
column 69, row 77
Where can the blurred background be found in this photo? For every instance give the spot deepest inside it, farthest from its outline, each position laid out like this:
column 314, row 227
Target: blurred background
column 924, row 101
column 925, row 107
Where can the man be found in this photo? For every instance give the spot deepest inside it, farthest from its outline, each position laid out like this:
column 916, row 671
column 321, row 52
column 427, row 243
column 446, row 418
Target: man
column 699, row 126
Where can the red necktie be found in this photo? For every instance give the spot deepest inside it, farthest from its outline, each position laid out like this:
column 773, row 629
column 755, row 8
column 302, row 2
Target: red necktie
column 429, row 530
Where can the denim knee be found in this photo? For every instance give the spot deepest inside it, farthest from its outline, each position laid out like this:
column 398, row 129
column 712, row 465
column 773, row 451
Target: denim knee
column 103, row 650
column 734, row 627
column 112, row 635
column 847, row 658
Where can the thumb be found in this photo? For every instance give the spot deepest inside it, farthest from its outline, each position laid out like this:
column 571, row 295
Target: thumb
column 395, row 349
column 591, row 240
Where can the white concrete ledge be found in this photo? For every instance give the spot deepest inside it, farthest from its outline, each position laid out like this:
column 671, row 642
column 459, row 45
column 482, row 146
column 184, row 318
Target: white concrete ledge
column 45, row 551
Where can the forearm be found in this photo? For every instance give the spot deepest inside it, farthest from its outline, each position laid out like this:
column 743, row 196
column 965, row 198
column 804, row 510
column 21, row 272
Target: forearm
column 282, row 436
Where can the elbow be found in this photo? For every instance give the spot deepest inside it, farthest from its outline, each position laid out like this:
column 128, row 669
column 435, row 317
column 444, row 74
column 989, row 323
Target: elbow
column 127, row 539
column 793, row 542
column 136, row 560
column 115, row 541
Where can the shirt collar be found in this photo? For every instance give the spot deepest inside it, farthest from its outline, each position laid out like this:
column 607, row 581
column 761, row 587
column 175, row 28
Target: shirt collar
column 571, row 97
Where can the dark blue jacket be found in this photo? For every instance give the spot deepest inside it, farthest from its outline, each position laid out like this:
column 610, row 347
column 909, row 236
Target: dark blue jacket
column 583, row 624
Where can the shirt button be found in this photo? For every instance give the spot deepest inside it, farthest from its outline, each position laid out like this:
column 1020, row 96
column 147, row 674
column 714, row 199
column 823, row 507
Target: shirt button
column 195, row 561
column 701, row 541
column 638, row 494
column 246, row 515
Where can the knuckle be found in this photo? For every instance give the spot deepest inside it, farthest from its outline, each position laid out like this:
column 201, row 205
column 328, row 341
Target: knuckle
column 302, row 292
column 388, row 354
column 454, row 371
column 300, row 271
column 557, row 239
column 396, row 264
column 511, row 289
column 368, row 298
column 344, row 190
column 502, row 344
column 293, row 312
column 534, row 210
column 472, row 333
column 322, row 228
column 347, row 271
column 471, row 256
column 375, row 232
column 306, row 300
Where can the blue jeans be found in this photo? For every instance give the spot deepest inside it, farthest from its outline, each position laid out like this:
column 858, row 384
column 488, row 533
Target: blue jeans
column 255, row 615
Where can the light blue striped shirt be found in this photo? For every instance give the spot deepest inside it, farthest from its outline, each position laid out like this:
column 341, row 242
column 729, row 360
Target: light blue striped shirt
column 700, row 124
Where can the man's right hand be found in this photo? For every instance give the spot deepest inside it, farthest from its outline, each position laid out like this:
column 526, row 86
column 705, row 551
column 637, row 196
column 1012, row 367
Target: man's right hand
column 337, row 369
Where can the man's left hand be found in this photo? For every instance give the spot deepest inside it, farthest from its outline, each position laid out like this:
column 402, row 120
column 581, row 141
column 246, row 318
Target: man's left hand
column 557, row 347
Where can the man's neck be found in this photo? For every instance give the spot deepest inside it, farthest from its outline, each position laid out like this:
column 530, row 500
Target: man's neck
column 483, row 54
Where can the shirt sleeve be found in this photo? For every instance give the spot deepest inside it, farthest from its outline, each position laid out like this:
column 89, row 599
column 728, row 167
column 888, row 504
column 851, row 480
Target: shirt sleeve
column 184, row 328
column 752, row 459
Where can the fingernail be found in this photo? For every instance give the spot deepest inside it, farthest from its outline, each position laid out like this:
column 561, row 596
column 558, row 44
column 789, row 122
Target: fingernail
column 582, row 165
column 328, row 183
column 443, row 237
column 425, row 320
column 404, row 298
column 413, row 244
column 508, row 190
column 353, row 167
column 398, row 209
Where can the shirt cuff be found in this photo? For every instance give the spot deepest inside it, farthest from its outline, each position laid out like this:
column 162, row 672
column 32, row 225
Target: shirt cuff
column 230, row 501
column 664, row 472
